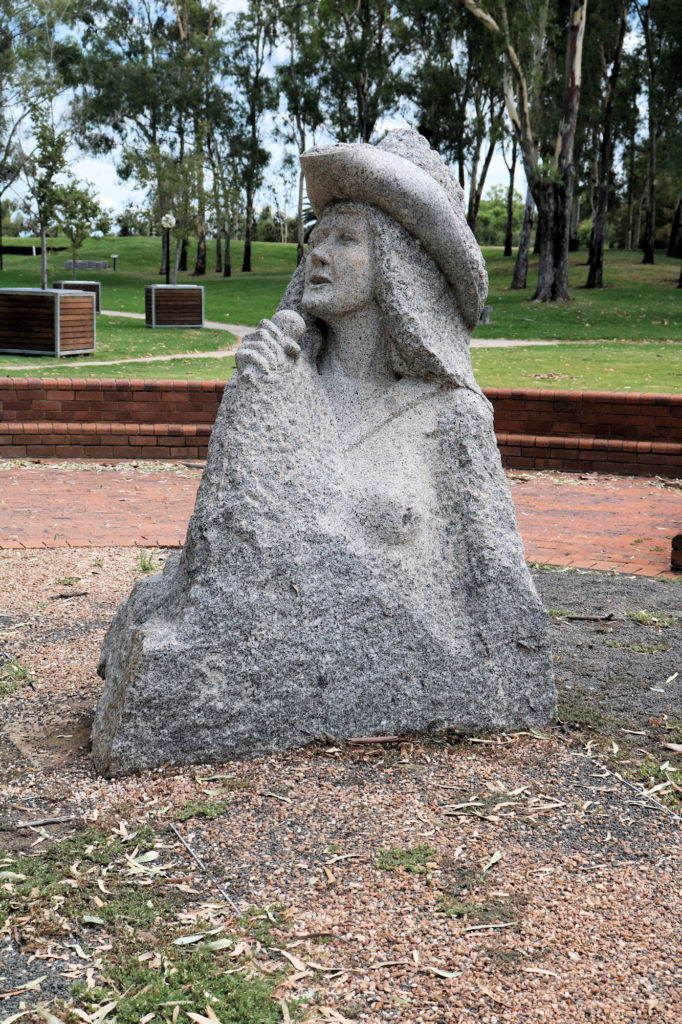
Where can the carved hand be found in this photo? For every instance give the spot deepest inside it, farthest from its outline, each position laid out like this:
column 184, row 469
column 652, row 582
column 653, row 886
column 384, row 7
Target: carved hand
column 273, row 344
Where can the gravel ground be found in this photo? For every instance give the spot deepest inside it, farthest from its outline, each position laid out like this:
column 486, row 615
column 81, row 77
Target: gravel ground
column 536, row 885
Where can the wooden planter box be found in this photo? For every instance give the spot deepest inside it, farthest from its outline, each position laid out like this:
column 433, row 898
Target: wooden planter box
column 82, row 286
column 174, row 305
column 46, row 323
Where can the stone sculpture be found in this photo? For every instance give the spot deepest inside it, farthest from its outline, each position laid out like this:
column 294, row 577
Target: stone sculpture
column 353, row 564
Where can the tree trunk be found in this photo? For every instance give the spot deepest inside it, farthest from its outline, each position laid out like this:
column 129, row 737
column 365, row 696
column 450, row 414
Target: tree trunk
column 218, row 249
column 43, row 256
column 554, row 202
column 649, row 244
column 183, row 255
column 74, row 253
column 246, row 264
column 2, row 266
column 679, row 283
column 165, row 252
column 176, row 262
column 521, row 265
column 674, row 242
column 510, row 203
column 227, row 272
column 200, row 262
column 638, row 219
column 595, row 275
column 574, row 224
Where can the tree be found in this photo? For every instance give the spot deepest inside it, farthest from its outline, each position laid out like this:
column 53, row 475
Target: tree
column 198, row 25
column 251, row 45
column 77, row 213
column 610, row 52
column 661, row 26
column 454, row 86
column 356, row 46
column 529, row 42
column 41, row 168
column 297, row 79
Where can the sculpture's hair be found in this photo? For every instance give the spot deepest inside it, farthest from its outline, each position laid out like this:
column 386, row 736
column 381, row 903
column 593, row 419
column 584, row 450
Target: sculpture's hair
column 427, row 338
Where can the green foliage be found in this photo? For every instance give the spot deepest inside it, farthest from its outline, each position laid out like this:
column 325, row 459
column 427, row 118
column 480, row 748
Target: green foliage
column 201, row 809
column 652, row 619
column 146, row 563
column 638, row 648
column 13, row 676
column 413, row 859
column 77, row 212
column 492, row 216
column 196, row 981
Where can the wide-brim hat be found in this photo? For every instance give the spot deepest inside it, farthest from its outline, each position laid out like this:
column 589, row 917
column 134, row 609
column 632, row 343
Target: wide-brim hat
column 428, row 207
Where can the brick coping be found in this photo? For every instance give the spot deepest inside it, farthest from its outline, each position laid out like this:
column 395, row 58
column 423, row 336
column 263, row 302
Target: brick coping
column 124, row 384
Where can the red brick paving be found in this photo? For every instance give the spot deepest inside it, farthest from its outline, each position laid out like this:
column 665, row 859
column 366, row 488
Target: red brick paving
column 592, row 521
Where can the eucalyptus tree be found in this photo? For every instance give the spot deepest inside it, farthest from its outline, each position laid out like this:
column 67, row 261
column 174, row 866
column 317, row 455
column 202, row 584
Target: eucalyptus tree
column 129, row 101
column 250, row 47
column 452, row 81
column 536, row 39
column 299, row 88
column 356, row 47
column 198, row 25
column 610, row 32
column 660, row 23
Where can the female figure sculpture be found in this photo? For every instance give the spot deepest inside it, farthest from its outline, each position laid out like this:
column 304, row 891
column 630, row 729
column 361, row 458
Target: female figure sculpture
column 353, row 563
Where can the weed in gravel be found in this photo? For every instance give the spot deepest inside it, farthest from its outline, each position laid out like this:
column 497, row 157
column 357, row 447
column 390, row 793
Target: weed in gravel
column 352, row 1010
column 146, row 563
column 558, row 613
column 68, row 581
column 201, row 809
column 13, row 676
column 66, row 874
column 259, row 924
column 193, row 982
column 414, row 859
column 652, row 619
column 637, row 648
column 485, row 911
column 664, row 781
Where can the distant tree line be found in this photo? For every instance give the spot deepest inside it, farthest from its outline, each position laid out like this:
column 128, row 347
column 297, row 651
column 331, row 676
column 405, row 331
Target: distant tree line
column 585, row 95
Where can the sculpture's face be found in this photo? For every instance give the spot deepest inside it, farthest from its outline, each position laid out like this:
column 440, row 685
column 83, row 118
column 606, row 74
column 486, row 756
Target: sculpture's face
column 339, row 273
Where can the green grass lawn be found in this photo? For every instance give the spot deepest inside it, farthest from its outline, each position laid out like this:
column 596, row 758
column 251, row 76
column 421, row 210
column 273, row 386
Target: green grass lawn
column 640, row 305
column 605, row 366
column 119, row 338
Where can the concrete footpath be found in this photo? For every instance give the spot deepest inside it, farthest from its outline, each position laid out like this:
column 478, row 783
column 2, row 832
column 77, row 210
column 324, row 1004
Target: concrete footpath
column 588, row 521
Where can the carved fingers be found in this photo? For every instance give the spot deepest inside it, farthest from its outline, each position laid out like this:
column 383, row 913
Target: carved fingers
column 272, row 346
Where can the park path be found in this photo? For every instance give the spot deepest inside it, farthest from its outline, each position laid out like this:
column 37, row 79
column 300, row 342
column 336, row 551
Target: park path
column 589, row 521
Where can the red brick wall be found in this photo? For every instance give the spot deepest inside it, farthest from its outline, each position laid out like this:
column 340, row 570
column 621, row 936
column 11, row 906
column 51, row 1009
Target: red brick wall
column 621, row 433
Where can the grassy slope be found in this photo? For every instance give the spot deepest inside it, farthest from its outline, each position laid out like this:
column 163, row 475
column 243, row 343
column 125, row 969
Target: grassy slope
column 640, row 304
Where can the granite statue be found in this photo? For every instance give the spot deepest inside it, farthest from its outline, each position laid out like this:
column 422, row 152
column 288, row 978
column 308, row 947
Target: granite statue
column 353, row 564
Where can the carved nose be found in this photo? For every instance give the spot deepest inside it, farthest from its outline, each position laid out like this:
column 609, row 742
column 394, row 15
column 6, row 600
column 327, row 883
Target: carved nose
column 319, row 257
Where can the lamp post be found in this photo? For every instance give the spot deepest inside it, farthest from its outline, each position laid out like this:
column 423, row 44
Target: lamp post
column 167, row 222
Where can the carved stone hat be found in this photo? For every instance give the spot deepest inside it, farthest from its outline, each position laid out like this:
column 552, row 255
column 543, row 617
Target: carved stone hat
column 408, row 180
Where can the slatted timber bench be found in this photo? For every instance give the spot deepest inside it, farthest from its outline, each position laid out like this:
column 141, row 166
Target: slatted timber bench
column 48, row 322
column 174, row 305
column 82, row 286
